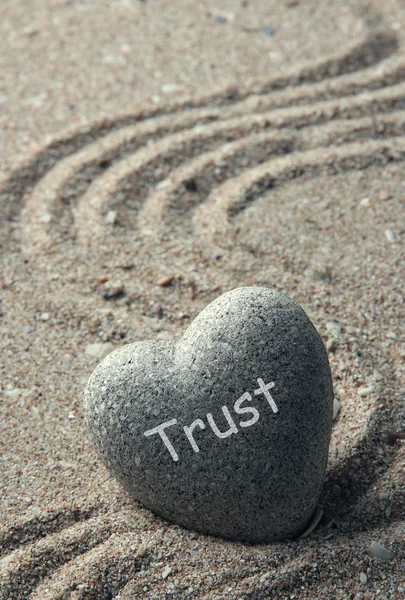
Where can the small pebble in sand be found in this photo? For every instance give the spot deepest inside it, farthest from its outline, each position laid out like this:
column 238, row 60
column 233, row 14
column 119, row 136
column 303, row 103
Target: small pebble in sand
column 111, row 217
column 169, row 88
column 363, row 578
column 376, row 550
column 165, row 281
column 269, row 30
column 389, row 234
column 313, row 524
column 13, row 392
column 334, row 329
column 222, row 16
column 365, row 390
column 142, row 551
column 166, row 572
column 164, row 184
column 113, row 290
column 336, row 408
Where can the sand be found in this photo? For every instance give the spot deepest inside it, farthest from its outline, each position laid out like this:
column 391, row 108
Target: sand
column 154, row 155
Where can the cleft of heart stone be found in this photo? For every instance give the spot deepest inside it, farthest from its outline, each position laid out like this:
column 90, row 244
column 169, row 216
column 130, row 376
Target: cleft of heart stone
column 226, row 431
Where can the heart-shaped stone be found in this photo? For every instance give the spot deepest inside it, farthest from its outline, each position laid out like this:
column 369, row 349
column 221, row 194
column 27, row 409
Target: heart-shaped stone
column 226, row 431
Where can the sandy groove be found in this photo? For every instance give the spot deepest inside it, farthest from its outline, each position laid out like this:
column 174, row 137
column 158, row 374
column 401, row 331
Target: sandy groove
column 174, row 149
column 369, row 51
column 116, row 182
column 213, row 219
column 98, row 573
column 387, row 73
column 81, row 167
column 170, row 148
column 35, row 528
column 390, row 72
column 26, row 566
column 212, row 169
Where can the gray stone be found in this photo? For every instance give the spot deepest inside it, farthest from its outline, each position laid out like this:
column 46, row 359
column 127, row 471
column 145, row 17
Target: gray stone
column 226, row 431
column 376, row 550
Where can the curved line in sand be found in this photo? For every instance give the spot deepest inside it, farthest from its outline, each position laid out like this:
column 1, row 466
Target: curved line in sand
column 36, row 217
column 101, row 570
column 213, row 220
column 161, row 208
column 174, row 151
column 78, row 169
column 370, row 51
column 52, row 521
column 30, row 563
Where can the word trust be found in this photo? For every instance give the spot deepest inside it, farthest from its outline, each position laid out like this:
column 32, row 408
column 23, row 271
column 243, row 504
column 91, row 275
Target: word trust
column 199, row 423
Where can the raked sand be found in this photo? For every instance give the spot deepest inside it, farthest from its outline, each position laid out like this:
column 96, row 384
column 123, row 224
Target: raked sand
column 154, row 155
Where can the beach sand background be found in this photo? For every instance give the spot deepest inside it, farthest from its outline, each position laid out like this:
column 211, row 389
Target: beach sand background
column 154, row 155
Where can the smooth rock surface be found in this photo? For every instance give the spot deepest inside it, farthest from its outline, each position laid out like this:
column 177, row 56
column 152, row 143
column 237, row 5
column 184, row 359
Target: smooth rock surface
column 227, row 431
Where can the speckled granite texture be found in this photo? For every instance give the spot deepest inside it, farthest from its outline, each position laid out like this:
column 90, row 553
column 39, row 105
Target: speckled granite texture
column 227, row 431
